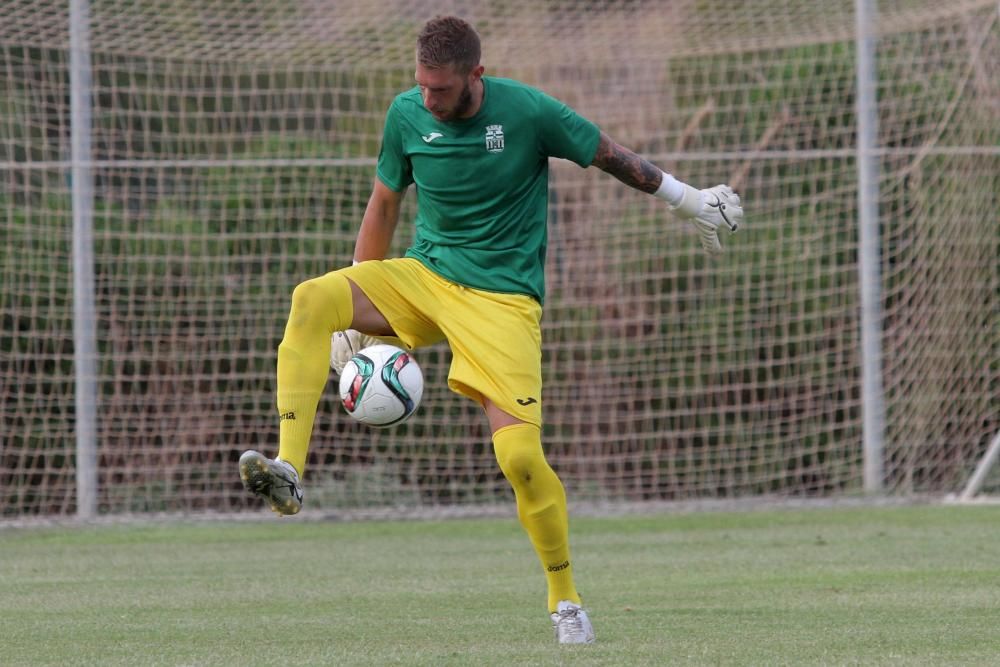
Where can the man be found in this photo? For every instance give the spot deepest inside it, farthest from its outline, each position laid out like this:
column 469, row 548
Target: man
column 477, row 149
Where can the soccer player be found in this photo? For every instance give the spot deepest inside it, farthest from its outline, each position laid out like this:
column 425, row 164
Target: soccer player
column 477, row 150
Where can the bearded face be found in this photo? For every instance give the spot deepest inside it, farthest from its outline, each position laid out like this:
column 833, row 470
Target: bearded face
column 447, row 94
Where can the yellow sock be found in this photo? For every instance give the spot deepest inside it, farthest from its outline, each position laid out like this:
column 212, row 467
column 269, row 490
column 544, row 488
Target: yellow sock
column 541, row 505
column 319, row 307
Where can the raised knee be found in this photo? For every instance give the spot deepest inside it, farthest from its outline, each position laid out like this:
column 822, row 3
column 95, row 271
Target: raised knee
column 306, row 294
column 322, row 302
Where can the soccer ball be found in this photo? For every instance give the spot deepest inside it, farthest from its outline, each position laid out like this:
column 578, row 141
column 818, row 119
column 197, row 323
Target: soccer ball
column 381, row 385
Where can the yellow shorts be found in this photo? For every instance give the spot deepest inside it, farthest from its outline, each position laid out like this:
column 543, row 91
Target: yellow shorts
column 495, row 338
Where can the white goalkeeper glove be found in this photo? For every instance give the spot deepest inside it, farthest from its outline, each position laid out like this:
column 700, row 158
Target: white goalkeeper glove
column 345, row 344
column 708, row 209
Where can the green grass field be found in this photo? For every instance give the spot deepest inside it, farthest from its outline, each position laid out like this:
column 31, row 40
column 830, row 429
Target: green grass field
column 859, row 586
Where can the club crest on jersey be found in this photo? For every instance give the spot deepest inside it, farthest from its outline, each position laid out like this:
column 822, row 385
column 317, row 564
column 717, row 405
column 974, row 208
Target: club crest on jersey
column 494, row 138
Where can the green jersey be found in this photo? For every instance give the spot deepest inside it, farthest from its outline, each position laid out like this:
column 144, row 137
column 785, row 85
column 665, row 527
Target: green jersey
column 482, row 182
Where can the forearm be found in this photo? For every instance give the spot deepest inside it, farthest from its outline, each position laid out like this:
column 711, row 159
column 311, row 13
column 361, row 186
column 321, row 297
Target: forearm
column 638, row 172
column 633, row 170
column 707, row 209
column 374, row 239
column 378, row 225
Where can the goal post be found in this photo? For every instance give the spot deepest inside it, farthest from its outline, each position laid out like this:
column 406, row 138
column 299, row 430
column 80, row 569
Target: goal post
column 869, row 245
column 232, row 152
column 84, row 329
column 986, row 465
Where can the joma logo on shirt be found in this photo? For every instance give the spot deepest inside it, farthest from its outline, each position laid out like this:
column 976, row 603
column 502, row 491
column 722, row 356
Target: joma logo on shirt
column 494, row 138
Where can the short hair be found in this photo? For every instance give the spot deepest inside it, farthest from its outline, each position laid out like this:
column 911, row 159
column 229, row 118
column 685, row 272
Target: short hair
column 448, row 40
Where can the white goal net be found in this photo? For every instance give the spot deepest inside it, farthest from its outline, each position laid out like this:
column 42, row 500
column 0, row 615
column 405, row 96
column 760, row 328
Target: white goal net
column 232, row 153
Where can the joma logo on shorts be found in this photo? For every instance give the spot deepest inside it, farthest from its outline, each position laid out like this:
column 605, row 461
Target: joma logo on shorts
column 526, row 401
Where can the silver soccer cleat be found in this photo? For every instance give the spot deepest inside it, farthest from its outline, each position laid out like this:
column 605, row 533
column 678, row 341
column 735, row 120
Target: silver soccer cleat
column 275, row 481
column 572, row 625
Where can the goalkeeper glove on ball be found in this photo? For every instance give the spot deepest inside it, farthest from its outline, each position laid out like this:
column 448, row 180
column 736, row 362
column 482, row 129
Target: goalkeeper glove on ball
column 345, row 344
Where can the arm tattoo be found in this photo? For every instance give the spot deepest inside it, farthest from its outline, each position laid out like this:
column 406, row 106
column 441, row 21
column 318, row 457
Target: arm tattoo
column 629, row 168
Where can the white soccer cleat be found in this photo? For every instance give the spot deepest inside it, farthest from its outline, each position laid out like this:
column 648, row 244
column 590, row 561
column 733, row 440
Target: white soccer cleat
column 571, row 624
column 275, row 481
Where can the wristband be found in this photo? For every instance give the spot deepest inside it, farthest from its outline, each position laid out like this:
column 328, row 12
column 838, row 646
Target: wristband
column 690, row 204
column 671, row 190
column 683, row 199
